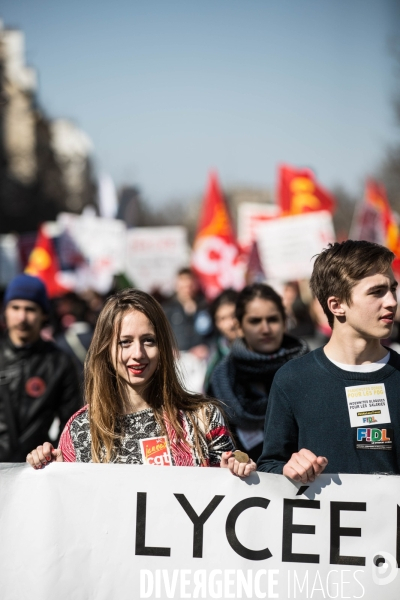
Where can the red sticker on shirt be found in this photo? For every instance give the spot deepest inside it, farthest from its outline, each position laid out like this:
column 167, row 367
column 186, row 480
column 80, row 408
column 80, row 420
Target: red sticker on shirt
column 35, row 387
column 155, row 451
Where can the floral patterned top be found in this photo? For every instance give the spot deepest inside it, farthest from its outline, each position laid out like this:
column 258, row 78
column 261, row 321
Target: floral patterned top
column 214, row 437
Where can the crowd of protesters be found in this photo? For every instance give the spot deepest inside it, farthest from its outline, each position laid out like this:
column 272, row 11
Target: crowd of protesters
column 229, row 353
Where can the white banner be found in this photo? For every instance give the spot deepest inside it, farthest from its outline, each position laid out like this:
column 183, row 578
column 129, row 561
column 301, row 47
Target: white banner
column 78, row 531
column 288, row 244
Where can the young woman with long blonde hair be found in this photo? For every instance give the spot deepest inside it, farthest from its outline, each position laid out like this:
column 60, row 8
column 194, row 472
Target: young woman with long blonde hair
column 137, row 409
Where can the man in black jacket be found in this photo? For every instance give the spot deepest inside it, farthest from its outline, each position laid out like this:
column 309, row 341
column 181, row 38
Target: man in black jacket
column 188, row 316
column 38, row 382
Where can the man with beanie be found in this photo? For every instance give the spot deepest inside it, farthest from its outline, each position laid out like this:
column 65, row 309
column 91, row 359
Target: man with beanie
column 38, row 381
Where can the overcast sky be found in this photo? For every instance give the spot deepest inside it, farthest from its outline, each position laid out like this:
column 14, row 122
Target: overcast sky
column 167, row 89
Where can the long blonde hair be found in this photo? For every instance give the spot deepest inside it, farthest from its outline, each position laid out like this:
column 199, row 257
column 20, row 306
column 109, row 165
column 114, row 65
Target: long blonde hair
column 105, row 391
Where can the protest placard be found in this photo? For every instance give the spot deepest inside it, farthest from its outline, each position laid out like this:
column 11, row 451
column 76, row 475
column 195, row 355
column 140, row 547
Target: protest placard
column 250, row 216
column 287, row 244
column 97, row 238
column 154, row 255
column 122, row 531
column 103, row 244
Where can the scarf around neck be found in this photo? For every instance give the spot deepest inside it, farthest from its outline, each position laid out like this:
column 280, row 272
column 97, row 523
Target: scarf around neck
column 244, row 378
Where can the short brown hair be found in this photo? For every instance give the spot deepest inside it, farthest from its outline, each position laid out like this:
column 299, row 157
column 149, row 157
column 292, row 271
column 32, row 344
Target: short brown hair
column 340, row 266
column 185, row 271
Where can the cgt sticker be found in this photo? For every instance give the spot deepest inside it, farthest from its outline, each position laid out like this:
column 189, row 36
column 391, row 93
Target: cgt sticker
column 374, row 438
column 35, row 387
column 155, row 451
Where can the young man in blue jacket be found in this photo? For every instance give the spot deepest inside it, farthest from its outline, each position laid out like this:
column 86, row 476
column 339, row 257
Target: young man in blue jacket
column 339, row 406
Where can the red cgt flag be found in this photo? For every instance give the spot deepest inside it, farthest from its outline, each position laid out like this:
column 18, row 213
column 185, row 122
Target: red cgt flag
column 43, row 263
column 375, row 196
column 216, row 257
column 299, row 192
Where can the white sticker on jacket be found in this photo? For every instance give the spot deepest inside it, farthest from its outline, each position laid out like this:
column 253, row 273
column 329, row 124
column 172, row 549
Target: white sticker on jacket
column 367, row 405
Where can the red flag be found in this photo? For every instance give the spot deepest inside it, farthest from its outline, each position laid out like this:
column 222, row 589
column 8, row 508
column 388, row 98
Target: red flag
column 43, row 263
column 375, row 196
column 374, row 221
column 215, row 257
column 299, row 192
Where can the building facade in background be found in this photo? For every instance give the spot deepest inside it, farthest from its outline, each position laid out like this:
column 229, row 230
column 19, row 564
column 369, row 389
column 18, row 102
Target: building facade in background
column 45, row 165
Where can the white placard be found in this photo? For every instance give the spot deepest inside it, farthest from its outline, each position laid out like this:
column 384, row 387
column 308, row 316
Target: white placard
column 103, row 244
column 101, row 241
column 250, row 216
column 287, row 245
column 130, row 532
column 154, row 255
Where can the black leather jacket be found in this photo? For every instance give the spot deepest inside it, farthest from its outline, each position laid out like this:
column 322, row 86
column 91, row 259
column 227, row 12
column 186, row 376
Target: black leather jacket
column 37, row 383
